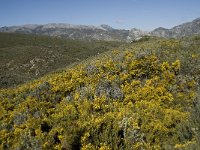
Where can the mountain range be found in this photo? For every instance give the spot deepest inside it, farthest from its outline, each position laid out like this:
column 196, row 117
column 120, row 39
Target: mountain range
column 104, row 32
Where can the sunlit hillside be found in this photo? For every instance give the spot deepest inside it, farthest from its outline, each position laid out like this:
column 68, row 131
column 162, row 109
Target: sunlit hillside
column 143, row 95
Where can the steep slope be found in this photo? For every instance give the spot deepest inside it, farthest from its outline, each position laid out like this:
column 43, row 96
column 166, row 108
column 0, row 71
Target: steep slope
column 27, row 57
column 143, row 98
column 186, row 29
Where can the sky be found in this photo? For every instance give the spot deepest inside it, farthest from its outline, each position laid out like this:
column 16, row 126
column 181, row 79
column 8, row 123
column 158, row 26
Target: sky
column 121, row 14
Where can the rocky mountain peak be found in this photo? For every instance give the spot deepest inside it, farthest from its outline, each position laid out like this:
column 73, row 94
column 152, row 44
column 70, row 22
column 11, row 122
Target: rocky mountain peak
column 136, row 34
column 106, row 27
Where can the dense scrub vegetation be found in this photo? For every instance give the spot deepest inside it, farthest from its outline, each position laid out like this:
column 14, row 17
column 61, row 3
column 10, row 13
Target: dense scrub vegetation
column 146, row 97
column 25, row 57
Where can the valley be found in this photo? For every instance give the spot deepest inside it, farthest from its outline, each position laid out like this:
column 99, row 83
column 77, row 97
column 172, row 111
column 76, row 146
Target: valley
column 26, row 57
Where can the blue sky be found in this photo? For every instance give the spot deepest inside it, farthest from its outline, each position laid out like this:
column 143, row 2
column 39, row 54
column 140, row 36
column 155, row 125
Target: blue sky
column 123, row 14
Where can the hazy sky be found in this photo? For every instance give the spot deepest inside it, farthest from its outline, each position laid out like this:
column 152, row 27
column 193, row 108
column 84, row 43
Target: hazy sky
column 124, row 14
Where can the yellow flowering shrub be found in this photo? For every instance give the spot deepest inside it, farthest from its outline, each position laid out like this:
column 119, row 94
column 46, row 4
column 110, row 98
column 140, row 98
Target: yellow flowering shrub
column 125, row 100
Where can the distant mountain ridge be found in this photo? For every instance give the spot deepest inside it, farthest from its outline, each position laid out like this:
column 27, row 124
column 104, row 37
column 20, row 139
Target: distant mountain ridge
column 104, row 32
column 185, row 29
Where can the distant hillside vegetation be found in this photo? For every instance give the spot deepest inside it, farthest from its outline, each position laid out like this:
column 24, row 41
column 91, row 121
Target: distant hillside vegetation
column 145, row 95
column 26, row 57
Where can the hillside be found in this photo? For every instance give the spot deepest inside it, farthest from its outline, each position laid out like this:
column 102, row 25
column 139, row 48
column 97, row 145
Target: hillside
column 143, row 96
column 26, row 57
